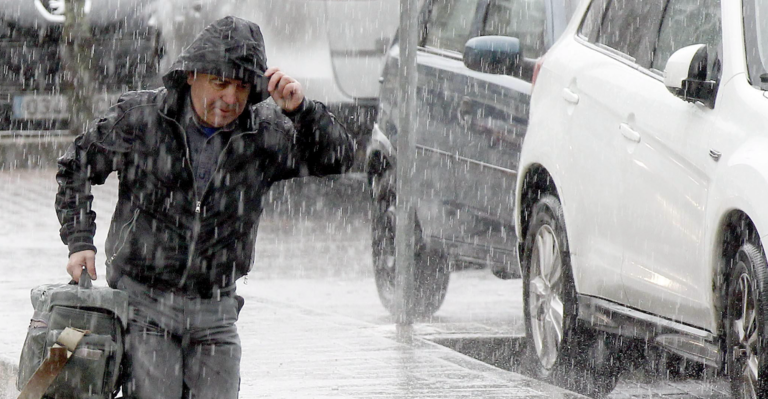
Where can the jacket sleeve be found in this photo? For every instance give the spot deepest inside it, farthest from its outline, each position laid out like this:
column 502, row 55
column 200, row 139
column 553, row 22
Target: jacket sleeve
column 89, row 160
column 322, row 143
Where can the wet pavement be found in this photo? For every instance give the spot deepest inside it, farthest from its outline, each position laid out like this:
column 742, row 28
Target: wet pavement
column 312, row 325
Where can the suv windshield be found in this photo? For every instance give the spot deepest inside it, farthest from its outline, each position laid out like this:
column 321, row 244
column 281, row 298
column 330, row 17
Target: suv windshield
column 756, row 40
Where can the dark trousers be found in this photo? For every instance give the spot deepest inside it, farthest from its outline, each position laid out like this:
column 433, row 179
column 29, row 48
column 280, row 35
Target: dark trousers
column 180, row 346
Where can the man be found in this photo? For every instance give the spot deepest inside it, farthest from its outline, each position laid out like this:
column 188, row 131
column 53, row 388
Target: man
column 194, row 159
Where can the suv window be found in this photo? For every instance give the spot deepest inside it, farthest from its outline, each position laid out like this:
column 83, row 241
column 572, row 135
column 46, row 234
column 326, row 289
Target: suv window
column 756, row 37
column 591, row 24
column 630, row 27
column 689, row 22
column 449, row 24
column 523, row 19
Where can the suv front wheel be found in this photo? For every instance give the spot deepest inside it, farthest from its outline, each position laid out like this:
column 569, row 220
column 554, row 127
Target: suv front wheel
column 746, row 318
column 558, row 349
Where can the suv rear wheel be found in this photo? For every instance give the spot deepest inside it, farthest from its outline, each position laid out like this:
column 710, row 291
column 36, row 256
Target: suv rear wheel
column 431, row 272
column 558, row 349
column 746, row 328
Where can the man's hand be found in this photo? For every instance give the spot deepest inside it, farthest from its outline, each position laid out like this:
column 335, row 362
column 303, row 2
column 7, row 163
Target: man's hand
column 285, row 90
column 76, row 262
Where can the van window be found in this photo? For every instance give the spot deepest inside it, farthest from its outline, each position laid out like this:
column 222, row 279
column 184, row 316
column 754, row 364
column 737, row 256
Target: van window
column 630, row 27
column 687, row 22
column 449, row 24
column 523, row 19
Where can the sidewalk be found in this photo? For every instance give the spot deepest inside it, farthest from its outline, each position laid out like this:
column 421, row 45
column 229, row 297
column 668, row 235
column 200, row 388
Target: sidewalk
column 303, row 353
column 294, row 352
column 294, row 345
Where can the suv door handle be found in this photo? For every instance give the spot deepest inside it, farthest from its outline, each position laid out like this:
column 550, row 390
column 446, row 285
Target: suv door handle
column 629, row 133
column 570, row 96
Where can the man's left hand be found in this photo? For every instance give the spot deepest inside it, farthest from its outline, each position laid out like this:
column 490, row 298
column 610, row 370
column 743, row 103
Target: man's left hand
column 285, row 90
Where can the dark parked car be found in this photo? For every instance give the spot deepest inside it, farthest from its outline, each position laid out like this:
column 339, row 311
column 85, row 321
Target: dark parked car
column 469, row 133
column 126, row 55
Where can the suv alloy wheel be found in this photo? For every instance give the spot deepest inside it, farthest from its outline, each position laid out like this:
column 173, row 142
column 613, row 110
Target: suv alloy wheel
column 746, row 317
column 558, row 349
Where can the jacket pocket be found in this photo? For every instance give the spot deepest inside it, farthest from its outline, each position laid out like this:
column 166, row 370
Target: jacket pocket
column 122, row 238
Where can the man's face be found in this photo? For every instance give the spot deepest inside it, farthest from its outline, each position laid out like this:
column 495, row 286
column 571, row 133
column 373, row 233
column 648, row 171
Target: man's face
column 217, row 101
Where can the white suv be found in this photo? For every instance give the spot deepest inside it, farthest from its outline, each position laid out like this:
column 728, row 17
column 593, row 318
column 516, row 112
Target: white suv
column 642, row 188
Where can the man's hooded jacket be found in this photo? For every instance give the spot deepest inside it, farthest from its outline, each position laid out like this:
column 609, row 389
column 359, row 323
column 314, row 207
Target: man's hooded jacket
column 163, row 233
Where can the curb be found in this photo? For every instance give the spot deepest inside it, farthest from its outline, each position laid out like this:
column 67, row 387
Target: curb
column 8, row 372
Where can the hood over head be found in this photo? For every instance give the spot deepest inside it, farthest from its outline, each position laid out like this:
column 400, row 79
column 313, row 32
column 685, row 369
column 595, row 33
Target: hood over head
column 230, row 47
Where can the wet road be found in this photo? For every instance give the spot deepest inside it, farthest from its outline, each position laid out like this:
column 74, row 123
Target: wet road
column 315, row 238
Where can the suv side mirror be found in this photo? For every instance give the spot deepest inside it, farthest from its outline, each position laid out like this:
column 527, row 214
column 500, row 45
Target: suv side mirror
column 686, row 75
column 494, row 54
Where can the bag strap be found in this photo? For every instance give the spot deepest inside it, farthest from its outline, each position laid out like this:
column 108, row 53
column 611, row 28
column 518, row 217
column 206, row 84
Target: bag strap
column 53, row 364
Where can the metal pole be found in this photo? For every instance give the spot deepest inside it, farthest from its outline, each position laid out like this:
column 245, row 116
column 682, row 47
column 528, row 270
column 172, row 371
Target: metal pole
column 406, row 151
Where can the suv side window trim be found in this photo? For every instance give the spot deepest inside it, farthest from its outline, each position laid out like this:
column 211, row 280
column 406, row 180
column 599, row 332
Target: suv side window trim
column 616, row 53
column 609, row 52
column 631, row 27
column 597, row 28
column 592, row 20
column 590, row 27
column 621, row 57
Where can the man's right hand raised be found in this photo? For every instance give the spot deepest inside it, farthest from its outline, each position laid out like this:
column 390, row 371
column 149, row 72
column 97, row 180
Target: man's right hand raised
column 81, row 259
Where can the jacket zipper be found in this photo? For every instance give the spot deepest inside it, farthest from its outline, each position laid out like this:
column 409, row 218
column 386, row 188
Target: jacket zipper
column 198, row 202
column 198, row 199
column 124, row 237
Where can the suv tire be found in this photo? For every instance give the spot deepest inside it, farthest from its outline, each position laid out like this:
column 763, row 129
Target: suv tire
column 745, row 322
column 431, row 273
column 558, row 349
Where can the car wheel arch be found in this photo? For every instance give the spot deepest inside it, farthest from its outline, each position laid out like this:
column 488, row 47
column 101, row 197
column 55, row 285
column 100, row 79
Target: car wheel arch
column 536, row 183
column 734, row 214
column 735, row 229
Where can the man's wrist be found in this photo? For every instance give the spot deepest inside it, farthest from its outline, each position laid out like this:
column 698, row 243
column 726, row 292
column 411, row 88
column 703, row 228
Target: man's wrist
column 75, row 247
column 305, row 107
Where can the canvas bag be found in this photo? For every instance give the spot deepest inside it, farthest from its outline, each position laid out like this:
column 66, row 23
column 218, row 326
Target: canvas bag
column 96, row 317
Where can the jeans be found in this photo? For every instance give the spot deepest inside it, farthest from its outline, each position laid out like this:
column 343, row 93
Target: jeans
column 179, row 346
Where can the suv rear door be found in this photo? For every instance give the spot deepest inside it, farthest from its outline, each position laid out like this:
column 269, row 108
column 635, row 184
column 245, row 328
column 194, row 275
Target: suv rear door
column 589, row 76
column 669, row 172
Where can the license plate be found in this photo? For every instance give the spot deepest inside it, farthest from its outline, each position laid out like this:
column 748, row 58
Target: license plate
column 38, row 107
